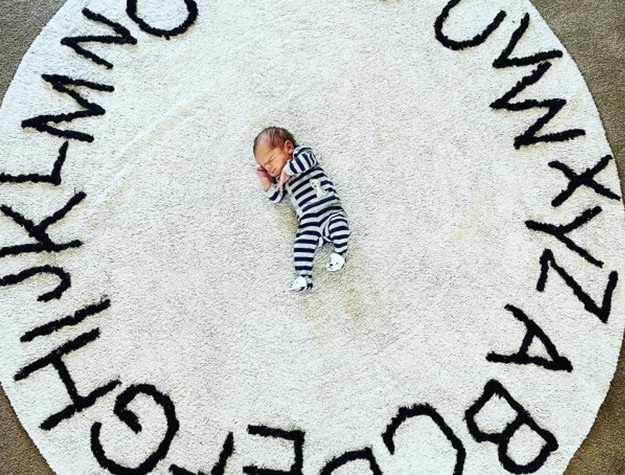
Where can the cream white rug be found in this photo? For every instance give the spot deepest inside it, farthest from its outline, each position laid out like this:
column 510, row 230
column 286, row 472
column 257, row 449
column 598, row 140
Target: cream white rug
column 146, row 325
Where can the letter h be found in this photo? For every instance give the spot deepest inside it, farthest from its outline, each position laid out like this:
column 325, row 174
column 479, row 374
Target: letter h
column 55, row 359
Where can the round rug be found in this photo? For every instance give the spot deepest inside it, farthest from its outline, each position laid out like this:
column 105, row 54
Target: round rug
column 147, row 322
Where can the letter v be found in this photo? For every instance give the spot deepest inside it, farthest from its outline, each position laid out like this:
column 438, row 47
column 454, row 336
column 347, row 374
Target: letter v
column 505, row 61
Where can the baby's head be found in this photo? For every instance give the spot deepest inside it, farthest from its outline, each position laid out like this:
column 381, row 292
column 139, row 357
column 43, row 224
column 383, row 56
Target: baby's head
column 273, row 147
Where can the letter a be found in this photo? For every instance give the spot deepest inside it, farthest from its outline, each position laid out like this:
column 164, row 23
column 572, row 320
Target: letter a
column 556, row 363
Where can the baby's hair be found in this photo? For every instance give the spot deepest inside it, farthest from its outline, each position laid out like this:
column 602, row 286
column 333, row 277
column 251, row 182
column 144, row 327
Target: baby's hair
column 276, row 137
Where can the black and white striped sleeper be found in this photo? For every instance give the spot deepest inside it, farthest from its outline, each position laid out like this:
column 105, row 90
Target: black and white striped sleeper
column 319, row 211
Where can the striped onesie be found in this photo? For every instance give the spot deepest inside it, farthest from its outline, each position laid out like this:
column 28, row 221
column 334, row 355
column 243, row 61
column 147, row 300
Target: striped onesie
column 319, row 211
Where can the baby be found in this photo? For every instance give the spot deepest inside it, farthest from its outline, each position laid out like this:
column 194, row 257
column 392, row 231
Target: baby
column 288, row 169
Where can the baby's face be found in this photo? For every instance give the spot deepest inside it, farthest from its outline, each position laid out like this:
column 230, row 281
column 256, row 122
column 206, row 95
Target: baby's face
column 273, row 159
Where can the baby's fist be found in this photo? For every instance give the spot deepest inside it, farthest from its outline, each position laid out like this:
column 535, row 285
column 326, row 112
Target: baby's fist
column 262, row 173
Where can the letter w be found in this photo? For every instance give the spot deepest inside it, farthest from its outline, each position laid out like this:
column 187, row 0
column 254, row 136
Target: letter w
column 553, row 106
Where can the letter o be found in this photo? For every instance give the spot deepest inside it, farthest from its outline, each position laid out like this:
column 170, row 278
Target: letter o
column 192, row 11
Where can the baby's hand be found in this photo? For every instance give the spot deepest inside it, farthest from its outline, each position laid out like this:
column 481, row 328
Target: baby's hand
column 262, row 173
column 284, row 177
column 265, row 179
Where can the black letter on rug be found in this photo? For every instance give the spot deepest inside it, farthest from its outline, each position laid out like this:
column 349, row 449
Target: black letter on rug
column 39, row 231
column 556, row 363
column 55, row 359
column 505, row 61
column 554, row 106
column 131, row 10
column 63, row 276
column 347, row 457
column 219, row 467
column 296, row 436
column 70, row 320
column 406, row 413
column 502, row 439
column 132, row 421
column 560, row 232
column 53, row 178
column 548, row 260
column 60, row 84
column 123, row 38
column 584, row 179
column 475, row 41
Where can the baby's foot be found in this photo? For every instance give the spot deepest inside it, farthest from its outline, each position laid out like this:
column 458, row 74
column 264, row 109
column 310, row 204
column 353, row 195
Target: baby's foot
column 301, row 283
column 336, row 262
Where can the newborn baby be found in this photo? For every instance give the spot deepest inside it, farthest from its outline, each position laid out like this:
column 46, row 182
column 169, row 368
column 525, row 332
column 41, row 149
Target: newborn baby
column 284, row 169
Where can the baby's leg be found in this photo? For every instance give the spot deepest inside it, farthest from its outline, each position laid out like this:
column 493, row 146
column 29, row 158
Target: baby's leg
column 338, row 230
column 338, row 233
column 304, row 248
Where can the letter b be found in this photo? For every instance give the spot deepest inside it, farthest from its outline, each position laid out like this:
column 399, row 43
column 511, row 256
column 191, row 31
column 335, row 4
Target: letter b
column 502, row 439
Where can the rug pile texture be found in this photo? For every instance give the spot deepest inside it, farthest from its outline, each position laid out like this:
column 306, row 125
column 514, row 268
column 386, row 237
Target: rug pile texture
column 147, row 325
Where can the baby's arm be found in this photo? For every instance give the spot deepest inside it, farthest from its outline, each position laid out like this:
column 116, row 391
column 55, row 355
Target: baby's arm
column 302, row 161
column 274, row 194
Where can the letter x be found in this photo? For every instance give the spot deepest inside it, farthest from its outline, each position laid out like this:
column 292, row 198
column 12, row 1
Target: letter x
column 584, row 179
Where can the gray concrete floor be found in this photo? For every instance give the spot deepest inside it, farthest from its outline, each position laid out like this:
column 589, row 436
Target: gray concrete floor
column 592, row 31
